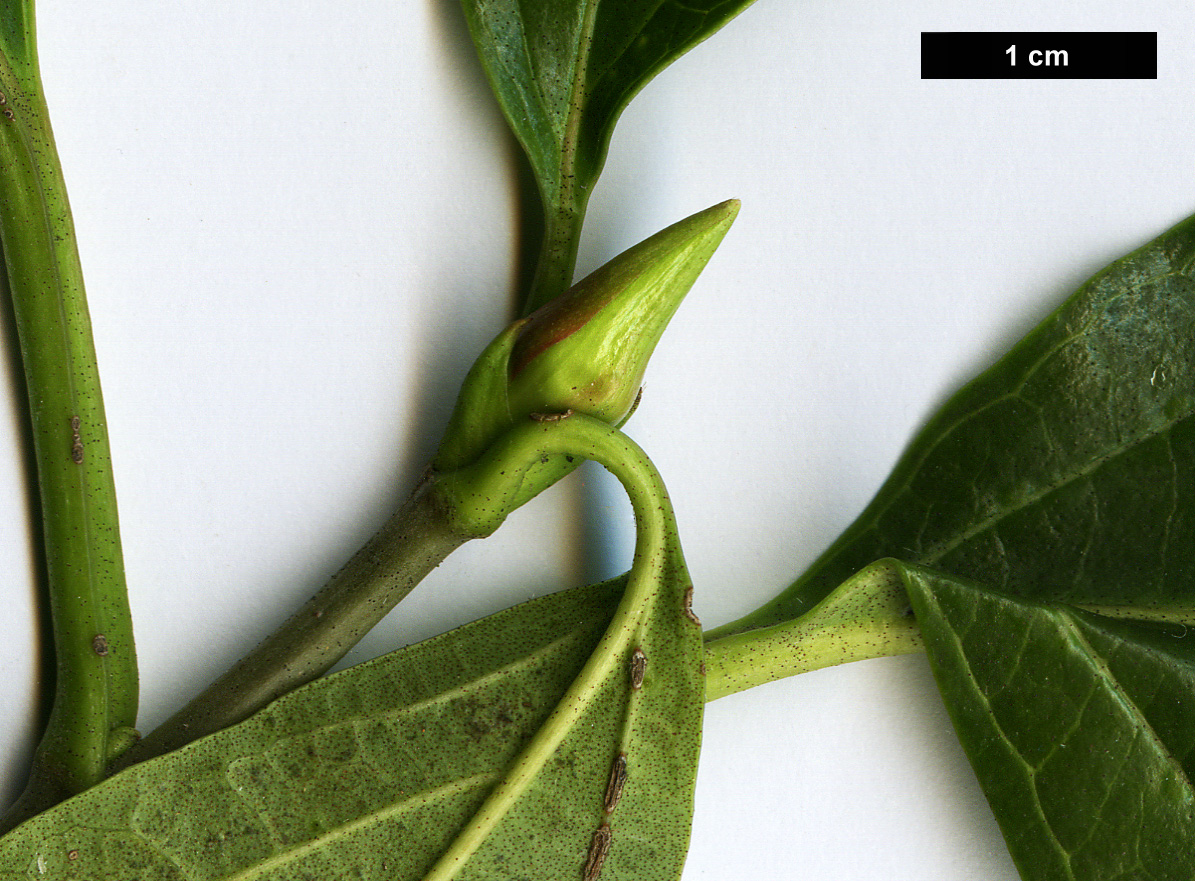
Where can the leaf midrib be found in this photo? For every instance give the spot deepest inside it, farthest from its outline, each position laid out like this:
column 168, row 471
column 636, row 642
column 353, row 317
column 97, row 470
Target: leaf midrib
column 567, row 171
column 1034, row 498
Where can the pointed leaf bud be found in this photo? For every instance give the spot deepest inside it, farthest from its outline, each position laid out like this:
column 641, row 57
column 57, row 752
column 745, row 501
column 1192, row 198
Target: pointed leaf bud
column 587, row 350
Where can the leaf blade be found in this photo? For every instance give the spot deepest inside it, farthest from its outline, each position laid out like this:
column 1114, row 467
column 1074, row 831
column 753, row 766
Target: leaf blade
column 1079, row 728
column 630, row 723
column 562, row 71
column 17, row 37
column 1042, row 476
column 285, row 763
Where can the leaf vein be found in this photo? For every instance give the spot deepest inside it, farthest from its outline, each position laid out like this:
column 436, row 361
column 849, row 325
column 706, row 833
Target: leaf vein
column 1029, row 771
column 346, row 830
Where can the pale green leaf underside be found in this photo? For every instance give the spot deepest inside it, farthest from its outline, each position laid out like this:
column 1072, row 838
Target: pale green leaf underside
column 373, row 772
column 1081, row 729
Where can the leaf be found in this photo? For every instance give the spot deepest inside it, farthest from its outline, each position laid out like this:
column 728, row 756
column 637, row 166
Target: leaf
column 563, row 70
column 1080, row 728
column 17, row 41
column 377, row 771
column 1063, row 472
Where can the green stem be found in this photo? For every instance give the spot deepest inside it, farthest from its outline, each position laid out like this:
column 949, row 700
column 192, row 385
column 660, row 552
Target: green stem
column 95, row 696
column 412, row 543
column 433, row 523
column 564, row 210
column 868, row 616
column 557, row 254
column 483, row 493
column 446, row 510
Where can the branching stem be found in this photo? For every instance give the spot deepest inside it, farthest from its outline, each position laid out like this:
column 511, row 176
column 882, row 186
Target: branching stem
column 412, row 543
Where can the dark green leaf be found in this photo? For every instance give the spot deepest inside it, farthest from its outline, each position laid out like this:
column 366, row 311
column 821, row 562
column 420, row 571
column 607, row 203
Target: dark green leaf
column 1080, row 728
column 564, row 69
column 1063, row 472
column 376, row 772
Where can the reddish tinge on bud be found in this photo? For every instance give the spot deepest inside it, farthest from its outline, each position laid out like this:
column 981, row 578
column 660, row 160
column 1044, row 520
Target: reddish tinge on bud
column 587, row 350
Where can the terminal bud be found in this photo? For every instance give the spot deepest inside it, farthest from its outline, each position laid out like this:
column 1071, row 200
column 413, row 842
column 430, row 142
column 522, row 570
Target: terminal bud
column 587, row 350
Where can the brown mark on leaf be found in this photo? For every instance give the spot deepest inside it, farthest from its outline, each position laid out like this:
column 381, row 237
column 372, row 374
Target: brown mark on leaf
column 72, row 854
column 551, row 417
column 618, row 779
column 638, row 668
column 76, row 441
column 689, row 607
column 8, row 114
column 99, row 645
column 599, row 847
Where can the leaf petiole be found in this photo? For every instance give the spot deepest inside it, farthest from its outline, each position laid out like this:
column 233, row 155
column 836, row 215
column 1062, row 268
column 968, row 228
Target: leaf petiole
column 658, row 578
column 867, row 616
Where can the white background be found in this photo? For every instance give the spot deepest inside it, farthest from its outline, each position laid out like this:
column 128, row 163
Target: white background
column 297, row 222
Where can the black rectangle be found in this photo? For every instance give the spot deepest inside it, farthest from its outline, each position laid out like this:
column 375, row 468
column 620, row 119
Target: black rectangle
column 1039, row 55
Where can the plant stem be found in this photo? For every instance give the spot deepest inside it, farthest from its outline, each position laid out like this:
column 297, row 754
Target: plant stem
column 867, row 616
column 412, row 543
column 445, row 511
column 557, row 254
column 95, row 687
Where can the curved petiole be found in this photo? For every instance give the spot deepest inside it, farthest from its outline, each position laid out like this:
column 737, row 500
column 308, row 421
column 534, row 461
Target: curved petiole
column 482, row 496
